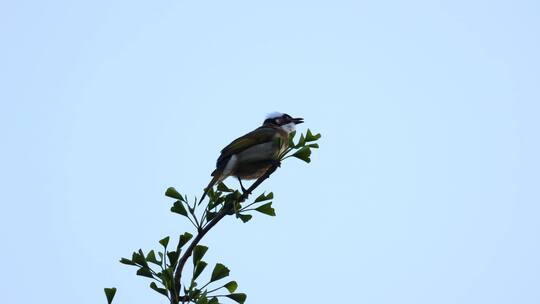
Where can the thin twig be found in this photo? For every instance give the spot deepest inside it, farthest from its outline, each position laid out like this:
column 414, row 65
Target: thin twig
column 202, row 232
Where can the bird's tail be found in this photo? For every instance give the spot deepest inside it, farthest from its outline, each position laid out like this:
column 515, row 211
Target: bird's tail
column 217, row 177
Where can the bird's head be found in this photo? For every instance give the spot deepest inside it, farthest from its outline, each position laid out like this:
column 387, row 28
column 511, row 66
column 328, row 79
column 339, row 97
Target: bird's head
column 282, row 120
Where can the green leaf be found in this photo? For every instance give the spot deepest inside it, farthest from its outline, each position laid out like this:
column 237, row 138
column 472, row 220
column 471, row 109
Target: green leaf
column 303, row 154
column 127, row 262
column 171, row 192
column 213, row 204
column 184, row 238
column 301, row 142
column 233, row 197
column 162, row 291
column 199, row 268
column 210, row 193
column 191, row 286
column 165, row 241
column 262, row 197
column 220, row 271
column 151, row 257
column 291, row 138
column 245, row 217
column 314, row 146
column 179, row 208
column 194, row 293
column 224, row 188
column 173, row 257
column 145, row 272
column 202, row 300
column 266, row 209
column 231, row 286
column 109, row 293
column 166, row 276
column 210, row 215
column 198, row 253
column 138, row 258
column 213, row 300
column 311, row 137
column 238, row 297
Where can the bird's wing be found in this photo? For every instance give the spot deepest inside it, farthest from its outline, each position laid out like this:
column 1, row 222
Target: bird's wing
column 255, row 137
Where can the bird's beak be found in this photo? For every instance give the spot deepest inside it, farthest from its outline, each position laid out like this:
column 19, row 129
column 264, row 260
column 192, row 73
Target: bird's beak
column 298, row 120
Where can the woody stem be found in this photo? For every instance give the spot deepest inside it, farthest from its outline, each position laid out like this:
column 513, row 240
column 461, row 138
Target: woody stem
column 175, row 292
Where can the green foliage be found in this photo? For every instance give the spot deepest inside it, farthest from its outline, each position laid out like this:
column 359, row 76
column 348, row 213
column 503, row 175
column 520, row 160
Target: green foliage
column 202, row 300
column 199, row 268
column 231, row 286
column 266, row 209
column 238, row 297
column 291, row 138
column 219, row 272
column 171, row 192
column 109, row 293
column 127, row 261
column 245, row 217
column 311, row 137
column 151, row 257
column 138, row 258
column 161, row 266
column 165, row 241
column 223, row 188
column 173, row 256
column 302, row 149
column 145, row 272
column 184, row 238
column 262, row 197
column 210, row 216
column 179, row 208
column 162, row 291
column 198, row 253
column 304, row 153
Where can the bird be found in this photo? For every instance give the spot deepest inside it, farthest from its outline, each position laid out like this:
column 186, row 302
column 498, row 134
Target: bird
column 249, row 157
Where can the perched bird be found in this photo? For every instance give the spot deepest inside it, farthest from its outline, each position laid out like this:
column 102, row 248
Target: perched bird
column 250, row 156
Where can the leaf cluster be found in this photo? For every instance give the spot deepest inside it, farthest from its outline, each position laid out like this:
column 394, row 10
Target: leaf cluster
column 164, row 266
column 302, row 148
column 160, row 269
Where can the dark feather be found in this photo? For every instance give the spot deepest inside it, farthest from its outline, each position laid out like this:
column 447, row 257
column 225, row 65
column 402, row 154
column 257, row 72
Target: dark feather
column 258, row 136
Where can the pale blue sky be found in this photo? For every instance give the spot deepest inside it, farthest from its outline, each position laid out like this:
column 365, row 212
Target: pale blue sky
column 425, row 189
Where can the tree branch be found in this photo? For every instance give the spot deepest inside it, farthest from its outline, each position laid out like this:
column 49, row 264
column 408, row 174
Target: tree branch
column 225, row 210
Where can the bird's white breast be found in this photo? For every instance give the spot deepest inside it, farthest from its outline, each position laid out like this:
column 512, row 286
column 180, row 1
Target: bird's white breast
column 289, row 127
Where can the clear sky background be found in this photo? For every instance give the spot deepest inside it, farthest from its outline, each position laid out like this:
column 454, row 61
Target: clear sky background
column 425, row 189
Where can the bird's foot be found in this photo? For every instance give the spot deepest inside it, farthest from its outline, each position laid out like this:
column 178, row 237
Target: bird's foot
column 244, row 190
